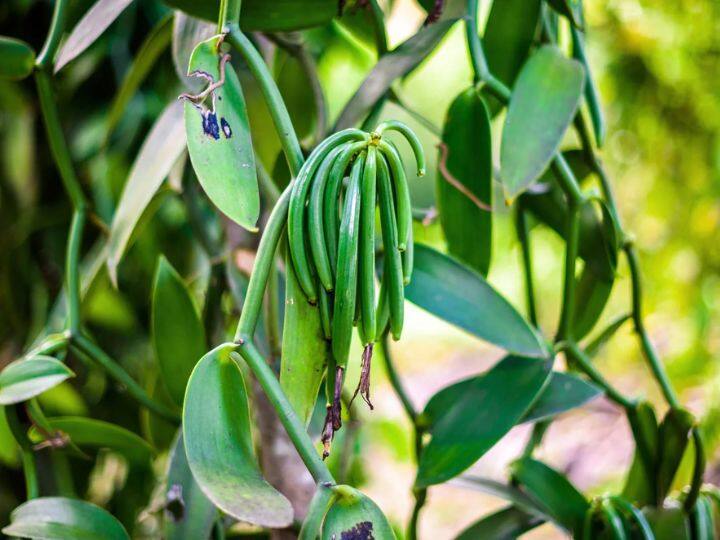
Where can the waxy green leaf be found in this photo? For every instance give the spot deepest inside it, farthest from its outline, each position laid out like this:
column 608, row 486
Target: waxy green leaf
column 159, row 152
column 60, row 517
column 355, row 515
column 17, row 58
column 563, row 392
column 510, row 522
column 188, row 512
column 178, row 335
column 640, row 486
column 275, row 16
column 468, row 418
column 91, row 26
column 466, row 159
column 218, row 443
column 304, row 349
column 24, row 379
column 218, row 138
column 673, row 438
column 552, row 491
column 89, row 432
column 462, row 297
column 542, row 106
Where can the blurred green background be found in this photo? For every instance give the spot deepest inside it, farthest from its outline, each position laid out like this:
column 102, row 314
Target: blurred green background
column 657, row 66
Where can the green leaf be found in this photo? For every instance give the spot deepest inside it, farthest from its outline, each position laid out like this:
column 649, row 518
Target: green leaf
column 397, row 63
column 669, row 523
column 591, row 296
column 18, row 58
column 60, row 517
column 641, row 481
column 542, row 105
column 277, row 16
column 91, row 26
column 506, row 492
column 553, row 491
column 506, row 524
column 572, row 9
column 355, row 515
column 468, row 418
column 218, row 443
column 26, row 378
column 468, row 161
column 98, row 434
column 188, row 512
column 304, row 349
column 188, row 32
column 453, row 292
column 673, row 437
column 178, row 334
column 562, row 393
column 154, row 45
column 218, row 139
column 159, row 152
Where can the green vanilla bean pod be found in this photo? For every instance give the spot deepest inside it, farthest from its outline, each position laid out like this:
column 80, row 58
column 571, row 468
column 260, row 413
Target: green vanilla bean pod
column 367, row 249
column 392, row 268
column 325, row 304
column 404, row 205
column 296, row 211
column 408, row 257
column 382, row 311
column 412, row 139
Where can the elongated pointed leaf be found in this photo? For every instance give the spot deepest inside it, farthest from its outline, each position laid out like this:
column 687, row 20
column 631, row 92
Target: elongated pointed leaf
column 468, row 418
column 542, row 105
column 674, row 436
column 355, row 515
column 275, row 16
column 640, row 486
column 159, row 152
column 218, row 443
column 397, row 63
column 24, row 379
column 91, row 26
column 18, row 58
column 506, row 524
column 188, row 512
column 458, row 295
column 178, row 335
column 506, row 492
column 89, row 432
column 563, row 393
column 553, row 491
column 468, row 161
column 154, row 45
column 218, row 137
column 60, row 517
column 304, row 349
column 592, row 295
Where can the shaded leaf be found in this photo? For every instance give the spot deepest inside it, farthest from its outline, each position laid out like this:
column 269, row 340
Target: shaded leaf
column 218, row 443
column 506, row 524
column 542, row 106
column 154, row 45
column 591, row 296
column 24, row 379
column 397, row 63
column 668, row 523
column 91, row 26
column 553, row 491
column 355, row 515
column 275, row 16
column 468, row 160
column 188, row 512
column 60, row 517
column 673, row 437
column 458, row 295
column 218, row 139
column 641, row 481
column 562, row 393
column 161, row 149
column 506, row 492
column 304, row 349
column 186, row 34
column 572, row 9
column 178, row 334
column 468, row 418
column 18, row 58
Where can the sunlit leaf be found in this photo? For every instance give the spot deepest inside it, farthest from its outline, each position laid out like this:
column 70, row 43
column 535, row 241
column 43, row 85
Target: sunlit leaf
column 542, row 105
column 466, row 159
column 468, row 418
column 17, row 58
column 162, row 147
column 458, row 295
column 91, row 26
column 218, row 443
column 60, row 517
column 24, row 379
column 218, row 137
column 355, row 515
column 178, row 334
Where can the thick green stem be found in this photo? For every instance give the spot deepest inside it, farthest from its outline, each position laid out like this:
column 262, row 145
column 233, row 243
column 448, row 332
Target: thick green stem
column 72, row 270
column 272, row 316
column 289, row 419
column 19, row 433
column 698, row 471
column 420, row 499
column 572, row 237
column 523, row 234
column 52, row 41
column 273, row 99
column 82, row 345
column 395, row 381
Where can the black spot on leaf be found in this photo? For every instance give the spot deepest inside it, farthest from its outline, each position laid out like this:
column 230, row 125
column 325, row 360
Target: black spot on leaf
column 210, row 125
column 175, row 505
column 361, row 531
column 226, row 128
